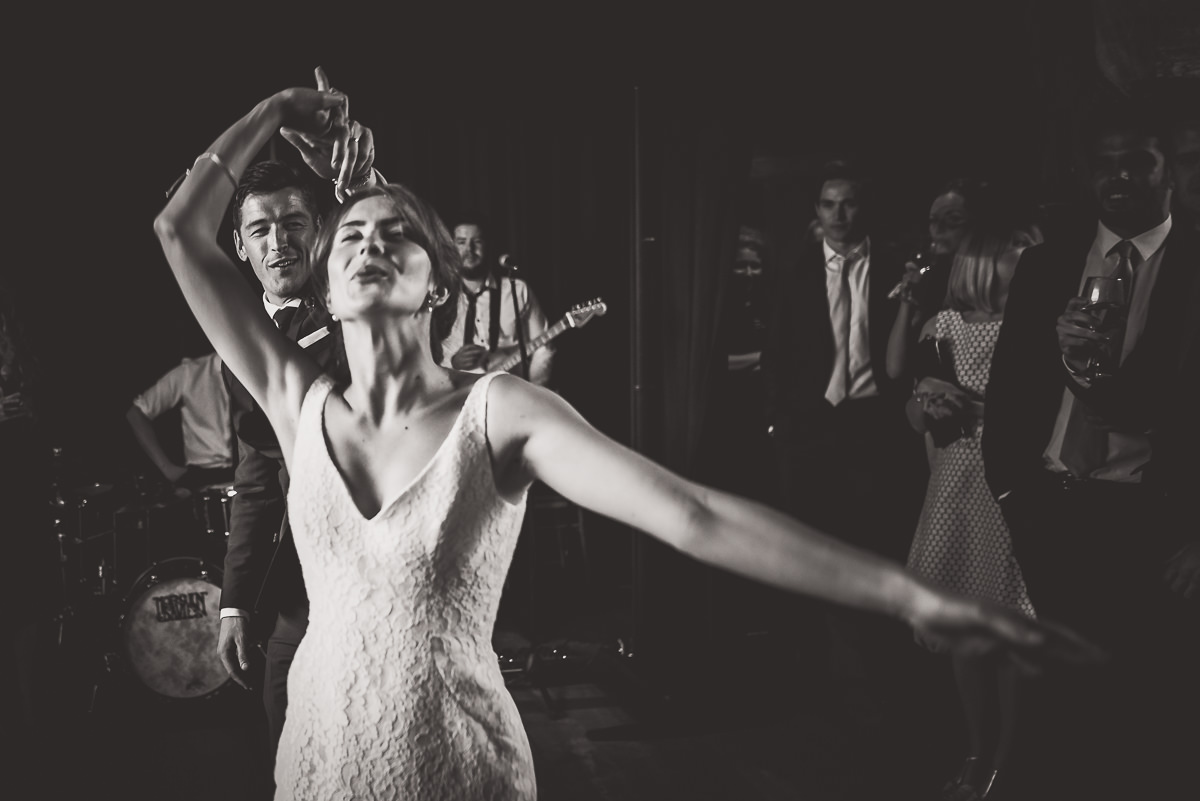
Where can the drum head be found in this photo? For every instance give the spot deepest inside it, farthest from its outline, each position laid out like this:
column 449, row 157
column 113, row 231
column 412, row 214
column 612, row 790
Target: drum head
column 171, row 628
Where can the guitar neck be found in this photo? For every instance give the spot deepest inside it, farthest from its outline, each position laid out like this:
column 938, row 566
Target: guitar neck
column 538, row 342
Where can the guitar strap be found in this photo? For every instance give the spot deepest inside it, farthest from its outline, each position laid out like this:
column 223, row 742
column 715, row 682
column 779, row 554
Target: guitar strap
column 494, row 316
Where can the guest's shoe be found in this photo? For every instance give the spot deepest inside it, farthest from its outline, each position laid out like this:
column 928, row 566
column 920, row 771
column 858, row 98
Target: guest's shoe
column 986, row 790
column 953, row 789
column 989, row 787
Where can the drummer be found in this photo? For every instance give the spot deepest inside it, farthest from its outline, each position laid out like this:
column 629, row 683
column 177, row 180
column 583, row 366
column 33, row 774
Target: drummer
column 194, row 386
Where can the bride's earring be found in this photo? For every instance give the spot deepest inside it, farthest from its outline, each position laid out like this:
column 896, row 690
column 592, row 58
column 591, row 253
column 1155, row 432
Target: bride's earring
column 431, row 301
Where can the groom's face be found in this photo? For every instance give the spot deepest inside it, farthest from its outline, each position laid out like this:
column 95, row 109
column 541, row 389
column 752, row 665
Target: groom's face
column 276, row 236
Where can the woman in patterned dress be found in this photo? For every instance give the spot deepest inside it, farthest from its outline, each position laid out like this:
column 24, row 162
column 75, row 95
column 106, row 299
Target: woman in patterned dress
column 961, row 542
column 386, row 265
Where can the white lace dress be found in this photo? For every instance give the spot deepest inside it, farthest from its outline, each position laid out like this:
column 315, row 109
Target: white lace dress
column 396, row 692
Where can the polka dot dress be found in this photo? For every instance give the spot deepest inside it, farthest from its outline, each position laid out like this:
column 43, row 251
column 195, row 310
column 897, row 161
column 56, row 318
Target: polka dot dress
column 962, row 542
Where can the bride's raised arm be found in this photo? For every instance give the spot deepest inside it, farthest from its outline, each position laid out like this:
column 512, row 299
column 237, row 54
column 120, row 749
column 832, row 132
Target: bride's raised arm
column 274, row 370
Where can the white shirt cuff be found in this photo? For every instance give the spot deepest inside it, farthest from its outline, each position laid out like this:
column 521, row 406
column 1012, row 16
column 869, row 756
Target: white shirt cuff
column 231, row 611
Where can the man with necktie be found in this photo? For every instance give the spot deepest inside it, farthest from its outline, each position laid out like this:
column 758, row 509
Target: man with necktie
column 848, row 461
column 275, row 218
column 1092, row 470
column 497, row 314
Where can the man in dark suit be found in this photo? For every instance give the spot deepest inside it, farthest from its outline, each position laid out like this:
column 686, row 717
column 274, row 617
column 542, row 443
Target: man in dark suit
column 848, row 461
column 275, row 217
column 1092, row 472
column 835, row 416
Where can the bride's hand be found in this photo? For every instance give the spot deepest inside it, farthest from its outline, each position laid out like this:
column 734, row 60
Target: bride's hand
column 976, row 627
column 345, row 154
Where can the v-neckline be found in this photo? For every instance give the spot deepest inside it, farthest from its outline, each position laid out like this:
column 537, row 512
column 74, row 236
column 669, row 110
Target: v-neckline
column 385, row 507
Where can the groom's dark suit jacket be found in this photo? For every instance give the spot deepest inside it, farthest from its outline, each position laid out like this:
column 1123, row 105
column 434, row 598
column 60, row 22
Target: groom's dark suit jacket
column 262, row 573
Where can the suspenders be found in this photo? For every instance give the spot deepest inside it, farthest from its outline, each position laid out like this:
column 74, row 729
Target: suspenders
column 494, row 317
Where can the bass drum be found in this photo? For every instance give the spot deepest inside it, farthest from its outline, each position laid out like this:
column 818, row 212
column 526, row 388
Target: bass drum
column 170, row 628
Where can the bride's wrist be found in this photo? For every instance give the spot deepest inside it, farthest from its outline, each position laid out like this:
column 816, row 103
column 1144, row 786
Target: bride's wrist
column 916, row 601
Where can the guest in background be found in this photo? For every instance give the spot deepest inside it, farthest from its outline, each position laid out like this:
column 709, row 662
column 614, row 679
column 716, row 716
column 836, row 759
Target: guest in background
column 497, row 314
column 193, row 386
column 848, row 461
column 746, row 303
column 961, row 540
column 1095, row 473
column 1184, row 147
column 33, row 589
column 923, row 294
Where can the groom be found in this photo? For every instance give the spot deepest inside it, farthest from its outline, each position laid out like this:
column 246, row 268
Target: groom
column 276, row 217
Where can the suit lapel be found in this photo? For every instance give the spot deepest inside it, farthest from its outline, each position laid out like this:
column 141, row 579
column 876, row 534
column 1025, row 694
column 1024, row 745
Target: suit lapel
column 813, row 288
column 1167, row 338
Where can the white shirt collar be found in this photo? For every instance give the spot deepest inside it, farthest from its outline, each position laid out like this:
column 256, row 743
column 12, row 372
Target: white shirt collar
column 272, row 308
column 1147, row 242
column 835, row 260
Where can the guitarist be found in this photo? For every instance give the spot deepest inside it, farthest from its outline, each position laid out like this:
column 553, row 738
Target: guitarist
column 497, row 314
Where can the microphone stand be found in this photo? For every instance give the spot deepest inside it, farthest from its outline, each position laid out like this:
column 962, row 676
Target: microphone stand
column 512, row 279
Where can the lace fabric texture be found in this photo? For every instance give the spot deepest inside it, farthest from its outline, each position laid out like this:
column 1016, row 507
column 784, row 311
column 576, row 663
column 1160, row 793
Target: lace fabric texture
column 395, row 691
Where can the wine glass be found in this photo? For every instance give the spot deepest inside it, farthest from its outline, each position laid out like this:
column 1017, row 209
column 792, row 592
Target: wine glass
column 923, row 258
column 1107, row 300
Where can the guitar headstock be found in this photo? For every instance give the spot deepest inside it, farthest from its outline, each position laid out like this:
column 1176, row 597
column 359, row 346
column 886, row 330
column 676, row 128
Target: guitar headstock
column 580, row 313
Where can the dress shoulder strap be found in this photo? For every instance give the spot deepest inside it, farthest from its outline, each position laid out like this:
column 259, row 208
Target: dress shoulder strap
column 314, row 401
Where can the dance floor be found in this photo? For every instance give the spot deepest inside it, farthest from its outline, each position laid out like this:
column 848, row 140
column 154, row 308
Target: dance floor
column 596, row 734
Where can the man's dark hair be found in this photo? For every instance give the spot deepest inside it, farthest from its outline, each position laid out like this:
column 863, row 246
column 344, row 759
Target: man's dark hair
column 1134, row 115
column 471, row 218
column 265, row 177
column 844, row 170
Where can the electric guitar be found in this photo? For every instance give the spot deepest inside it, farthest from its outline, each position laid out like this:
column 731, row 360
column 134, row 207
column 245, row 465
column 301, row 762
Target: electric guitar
column 578, row 316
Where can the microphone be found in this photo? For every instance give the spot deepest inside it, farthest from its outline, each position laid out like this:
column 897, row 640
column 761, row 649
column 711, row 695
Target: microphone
column 508, row 263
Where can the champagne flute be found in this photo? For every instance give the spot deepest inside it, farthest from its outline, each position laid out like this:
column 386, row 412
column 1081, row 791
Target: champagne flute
column 923, row 258
column 1107, row 299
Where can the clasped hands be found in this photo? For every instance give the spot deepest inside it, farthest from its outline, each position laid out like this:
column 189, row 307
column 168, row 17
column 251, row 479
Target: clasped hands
column 317, row 123
column 943, row 401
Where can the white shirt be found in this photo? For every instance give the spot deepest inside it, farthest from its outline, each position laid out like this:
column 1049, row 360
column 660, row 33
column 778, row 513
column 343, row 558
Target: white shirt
column 532, row 320
column 862, row 379
column 1126, row 452
column 196, row 387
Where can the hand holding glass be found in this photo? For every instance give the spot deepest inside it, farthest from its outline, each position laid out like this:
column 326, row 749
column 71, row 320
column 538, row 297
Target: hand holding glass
column 1107, row 299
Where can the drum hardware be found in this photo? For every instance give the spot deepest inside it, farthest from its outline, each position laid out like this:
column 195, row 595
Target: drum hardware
column 212, row 508
column 110, row 667
column 65, row 613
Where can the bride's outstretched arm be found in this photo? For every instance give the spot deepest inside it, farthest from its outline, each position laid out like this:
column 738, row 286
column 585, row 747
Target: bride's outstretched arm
column 274, row 370
column 537, row 435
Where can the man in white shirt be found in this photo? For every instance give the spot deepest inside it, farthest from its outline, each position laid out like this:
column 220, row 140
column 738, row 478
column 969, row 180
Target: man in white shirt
column 497, row 315
column 848, row 462
column 836, row 417
column 276, row 217
column 1095, row 474
column 194, row 386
